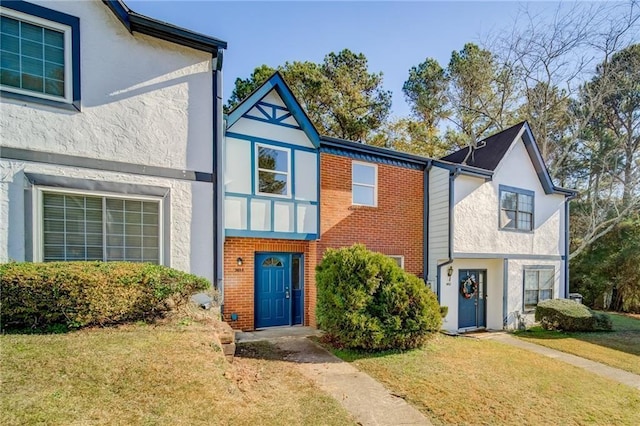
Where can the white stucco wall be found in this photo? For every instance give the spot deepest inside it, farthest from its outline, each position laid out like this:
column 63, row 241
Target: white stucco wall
column 190, row 206
column 476, row 212
column 515, row 296
column 144, row 100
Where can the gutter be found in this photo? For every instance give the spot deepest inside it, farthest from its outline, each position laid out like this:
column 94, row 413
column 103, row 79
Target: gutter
column 566, row 243
column 218, row 136
column 452, row 177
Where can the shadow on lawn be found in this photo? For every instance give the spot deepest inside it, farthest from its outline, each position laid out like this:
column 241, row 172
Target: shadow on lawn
column 624, row 337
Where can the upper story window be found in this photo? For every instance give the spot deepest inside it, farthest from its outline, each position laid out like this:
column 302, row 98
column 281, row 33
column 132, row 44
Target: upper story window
column 364, row 184
column 516, row 208
column 39, row 54
column 538, row 285
column 273, row 166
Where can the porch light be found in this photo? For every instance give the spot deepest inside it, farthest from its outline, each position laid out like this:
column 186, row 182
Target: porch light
column 450, row 272
column 239, row 261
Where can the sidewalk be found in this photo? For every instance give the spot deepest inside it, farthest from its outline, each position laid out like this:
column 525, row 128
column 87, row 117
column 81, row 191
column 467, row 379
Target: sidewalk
column 368, row 401
column 620, row 376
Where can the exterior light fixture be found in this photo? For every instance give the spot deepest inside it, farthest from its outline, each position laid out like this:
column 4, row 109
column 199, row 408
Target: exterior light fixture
column 450, row 271
column 239, row 261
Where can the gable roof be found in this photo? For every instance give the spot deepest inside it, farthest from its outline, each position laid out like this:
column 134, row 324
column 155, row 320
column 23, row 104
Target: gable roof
column 143, row 24
column 277, row 83
column 492, row 150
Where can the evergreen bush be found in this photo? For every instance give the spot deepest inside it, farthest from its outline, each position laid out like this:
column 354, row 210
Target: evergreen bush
column 79, row 294
column 366, row 301
column 567, row 315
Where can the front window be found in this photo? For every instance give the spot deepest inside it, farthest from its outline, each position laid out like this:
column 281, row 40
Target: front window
column 364, row 184
column 35, row 56
column 273, row 170
column 516, row 209
column 538, row 286
column 90, row 227
column 398, row 259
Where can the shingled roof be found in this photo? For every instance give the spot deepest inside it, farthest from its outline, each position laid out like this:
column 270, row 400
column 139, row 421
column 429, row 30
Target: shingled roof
column 490, row 151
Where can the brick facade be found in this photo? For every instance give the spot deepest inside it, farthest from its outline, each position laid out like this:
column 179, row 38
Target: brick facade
column 394, row 227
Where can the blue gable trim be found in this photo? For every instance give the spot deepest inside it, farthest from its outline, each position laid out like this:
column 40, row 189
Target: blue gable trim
column 277, row 83
column 270, row 115
column 143, row 24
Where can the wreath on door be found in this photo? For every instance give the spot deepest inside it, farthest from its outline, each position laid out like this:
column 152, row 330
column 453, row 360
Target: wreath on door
column 469, row 287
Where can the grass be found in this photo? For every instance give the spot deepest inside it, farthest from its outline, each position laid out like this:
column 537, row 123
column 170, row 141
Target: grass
column 148, row 375
column 456, row 380
column 619, row 348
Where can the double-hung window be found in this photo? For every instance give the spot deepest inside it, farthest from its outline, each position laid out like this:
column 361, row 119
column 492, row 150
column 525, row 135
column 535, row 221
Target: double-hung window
column 538, row 285
column 364, row 184
column 78, row 226
column 273, row 170
column 39, row 53
column 516, row 208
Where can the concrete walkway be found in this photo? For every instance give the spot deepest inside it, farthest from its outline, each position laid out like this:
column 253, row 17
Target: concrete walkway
column 621, row 376
column 368, row 401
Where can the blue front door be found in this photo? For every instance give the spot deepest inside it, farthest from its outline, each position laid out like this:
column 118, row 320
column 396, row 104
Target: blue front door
column 279, row 281
column 472, row 286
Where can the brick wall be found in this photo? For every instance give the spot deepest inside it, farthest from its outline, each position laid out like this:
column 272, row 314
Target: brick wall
column 394, row 227
column 239, row 287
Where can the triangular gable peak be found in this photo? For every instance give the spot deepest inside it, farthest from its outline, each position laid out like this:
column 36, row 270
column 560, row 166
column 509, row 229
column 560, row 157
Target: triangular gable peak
column 274, row 103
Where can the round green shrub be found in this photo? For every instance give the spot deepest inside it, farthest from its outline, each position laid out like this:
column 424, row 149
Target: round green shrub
column 79, row 294
column 366, row 301
column 567, row 315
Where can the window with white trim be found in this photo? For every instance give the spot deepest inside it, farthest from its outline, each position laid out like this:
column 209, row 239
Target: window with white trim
column 538, row 285
column 273, row 170
column 398, row 259
column 364, row 184
column 516, row 209
column 77, row 226
column 36, row 54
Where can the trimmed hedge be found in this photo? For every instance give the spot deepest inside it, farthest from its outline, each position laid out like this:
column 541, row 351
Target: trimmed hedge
column 567, row 315
column 79, row 294
column 366, row 301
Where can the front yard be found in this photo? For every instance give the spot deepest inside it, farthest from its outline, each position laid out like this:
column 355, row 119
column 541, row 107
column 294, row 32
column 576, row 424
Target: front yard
column 144, row 374
column 460, row 380
column 619, row 348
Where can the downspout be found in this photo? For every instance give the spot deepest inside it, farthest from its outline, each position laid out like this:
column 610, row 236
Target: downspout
column 452, row 177
column 425, row 223
column 566, row 244
column 218, row 170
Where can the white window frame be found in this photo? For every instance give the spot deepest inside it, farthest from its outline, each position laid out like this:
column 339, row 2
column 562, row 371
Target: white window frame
column 38, row 216
column 399, row 257
column 537, row 269
column 365, row 185
column 257, row 170
column 68, row 58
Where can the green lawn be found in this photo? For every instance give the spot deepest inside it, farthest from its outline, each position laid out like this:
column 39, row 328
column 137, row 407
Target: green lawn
column 619, row 348
column 457, row 380
column 164, row 375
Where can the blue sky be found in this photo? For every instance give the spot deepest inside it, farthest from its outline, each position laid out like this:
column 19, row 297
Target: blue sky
column 394, row 36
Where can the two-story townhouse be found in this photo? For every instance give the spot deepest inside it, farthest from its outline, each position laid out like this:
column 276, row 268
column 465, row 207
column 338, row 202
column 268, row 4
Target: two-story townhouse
column 498, row 233
column 109, row 136
column 290, row 194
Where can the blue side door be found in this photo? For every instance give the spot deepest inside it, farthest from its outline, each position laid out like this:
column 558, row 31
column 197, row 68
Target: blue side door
column 472, row 298
column 273, row 290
